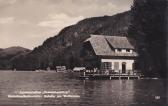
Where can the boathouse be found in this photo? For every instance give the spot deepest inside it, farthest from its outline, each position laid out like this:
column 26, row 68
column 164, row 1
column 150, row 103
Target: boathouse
column 113, row 53
column 78, row 69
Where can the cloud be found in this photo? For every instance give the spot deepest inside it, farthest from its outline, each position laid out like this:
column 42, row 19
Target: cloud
column 6, row 20
column 12, row 1
column 24, row 33
column 59, row 21
column 7, row 2
column 29, row 22
column 89, row 8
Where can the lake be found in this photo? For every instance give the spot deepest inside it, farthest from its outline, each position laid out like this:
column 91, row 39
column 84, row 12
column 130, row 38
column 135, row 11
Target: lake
column 63, row 89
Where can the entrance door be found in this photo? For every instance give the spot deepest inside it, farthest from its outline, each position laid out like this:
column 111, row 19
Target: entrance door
column 124, row 67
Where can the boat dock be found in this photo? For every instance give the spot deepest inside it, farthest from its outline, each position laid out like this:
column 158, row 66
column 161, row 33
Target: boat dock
column 110, row 76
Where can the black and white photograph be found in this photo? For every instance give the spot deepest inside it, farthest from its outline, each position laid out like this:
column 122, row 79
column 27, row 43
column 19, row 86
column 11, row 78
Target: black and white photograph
column 83, row 52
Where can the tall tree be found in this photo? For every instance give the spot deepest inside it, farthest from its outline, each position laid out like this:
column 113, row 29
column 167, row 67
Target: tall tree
column 148, row 28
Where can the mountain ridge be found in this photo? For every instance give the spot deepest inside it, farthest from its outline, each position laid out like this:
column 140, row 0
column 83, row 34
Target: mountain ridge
column 65, row 48
column 7, row 54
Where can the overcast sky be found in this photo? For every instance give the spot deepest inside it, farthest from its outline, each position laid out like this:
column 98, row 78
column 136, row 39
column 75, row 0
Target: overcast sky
column 28, row 23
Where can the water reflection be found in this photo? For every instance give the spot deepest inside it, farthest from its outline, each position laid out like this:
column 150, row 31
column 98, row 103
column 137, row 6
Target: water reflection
column 146, row 92
column 92, row 92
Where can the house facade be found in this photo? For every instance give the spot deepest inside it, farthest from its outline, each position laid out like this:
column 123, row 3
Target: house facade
column 112, row 53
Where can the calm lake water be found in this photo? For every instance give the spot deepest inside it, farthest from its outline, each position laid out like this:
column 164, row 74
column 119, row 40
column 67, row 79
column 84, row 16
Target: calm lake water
column 146, row 92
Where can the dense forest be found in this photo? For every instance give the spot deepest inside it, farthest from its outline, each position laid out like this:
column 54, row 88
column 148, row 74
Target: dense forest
column 148, row 28
column 65, row 48
column 7, row 54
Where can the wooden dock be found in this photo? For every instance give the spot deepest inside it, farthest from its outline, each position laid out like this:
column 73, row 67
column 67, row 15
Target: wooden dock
column 110, row 76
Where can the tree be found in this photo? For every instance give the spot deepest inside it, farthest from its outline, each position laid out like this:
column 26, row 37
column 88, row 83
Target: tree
column 148, row 28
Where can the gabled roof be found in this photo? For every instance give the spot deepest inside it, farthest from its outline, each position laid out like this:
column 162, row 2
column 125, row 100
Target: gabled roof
column 102, row 45
column 119, row 42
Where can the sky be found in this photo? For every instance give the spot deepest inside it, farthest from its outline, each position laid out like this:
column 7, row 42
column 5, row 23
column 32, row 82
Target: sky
column 28, row 23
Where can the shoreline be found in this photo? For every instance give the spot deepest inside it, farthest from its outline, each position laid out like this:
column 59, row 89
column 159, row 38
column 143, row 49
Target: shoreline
column 53, row 71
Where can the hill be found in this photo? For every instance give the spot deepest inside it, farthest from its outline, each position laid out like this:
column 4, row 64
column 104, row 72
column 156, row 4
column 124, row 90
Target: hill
column 8, row 53
column 65, row 48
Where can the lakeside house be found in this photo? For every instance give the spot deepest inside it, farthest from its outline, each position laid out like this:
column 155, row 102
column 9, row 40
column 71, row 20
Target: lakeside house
column 78, row 69
column 114, row 54
column 60, row 68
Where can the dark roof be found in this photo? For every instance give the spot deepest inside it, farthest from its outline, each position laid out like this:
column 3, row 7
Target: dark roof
column 119, row 42
column 102, row 45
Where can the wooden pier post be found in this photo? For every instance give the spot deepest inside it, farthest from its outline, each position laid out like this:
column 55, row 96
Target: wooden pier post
column 119, row 75
column 128, row 75
column 84, row 73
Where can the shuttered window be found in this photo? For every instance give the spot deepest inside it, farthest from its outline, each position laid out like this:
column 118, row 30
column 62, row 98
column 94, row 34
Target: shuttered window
column 116, row 65
column 127, row 50
column 106, row 65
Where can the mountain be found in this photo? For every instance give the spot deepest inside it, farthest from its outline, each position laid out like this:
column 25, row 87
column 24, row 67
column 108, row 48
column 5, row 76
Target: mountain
column 12, row 51
column 145, row 23
column 1, row 49
column 8, row 53
column 65, row 48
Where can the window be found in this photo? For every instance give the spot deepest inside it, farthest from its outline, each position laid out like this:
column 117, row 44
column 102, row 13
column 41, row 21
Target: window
column 127, row 50
column 119, row 50
column 106, row 65
column 116, row 65
column 123, row 67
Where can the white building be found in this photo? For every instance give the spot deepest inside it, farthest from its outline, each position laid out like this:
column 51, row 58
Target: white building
column 78, row 69
column 60, row 68
column 113, row 53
